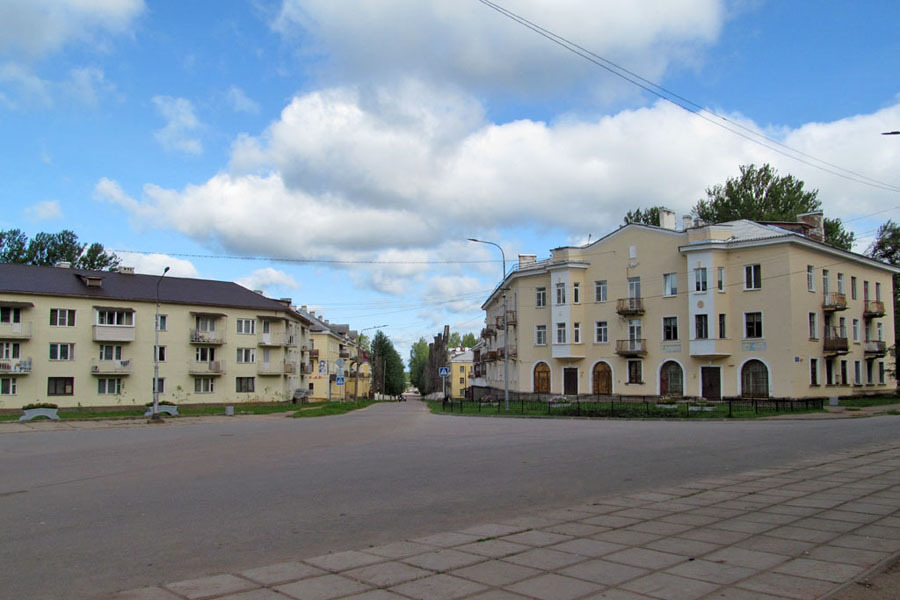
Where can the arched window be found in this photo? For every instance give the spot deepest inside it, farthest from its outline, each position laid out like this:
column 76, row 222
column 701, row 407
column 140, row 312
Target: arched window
column 754, row 379
column 542, row 379
column 602, row 379
column 671, row 379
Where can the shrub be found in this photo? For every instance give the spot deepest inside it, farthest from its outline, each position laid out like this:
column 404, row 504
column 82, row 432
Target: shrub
column 161, row 403
column 40, row 405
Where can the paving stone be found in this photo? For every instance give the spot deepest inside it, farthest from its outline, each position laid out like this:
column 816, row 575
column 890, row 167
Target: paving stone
column 545, row 559
column 537, row 538
column 443, row 560
column 683, row 546
column 493, row 548
column 207, row 587
column 496, row 572
column 387, row 574
column 617, row 594
column 341, row 561
column 740, row 557
column 438, row 587
column 765, row 543
column 712, row 511
column 850, row 556
column 576, row 529
column 798, row 511
column 555, row 587
column 877, row 531
column 641, row 513
column 588, row 547
column 611, row 521
column 768, row 517
column 376, row 595
column 866, row 543
column 322, row 588
column 258, row 594
column 599, row 508
column 846, row 515
column 733, row 593
column 493, row 530
column 690, row 519
column 659, row 527
column 799, row 588
column 743, row 525
column 625, row 537
column 399, row 549
column 713, row 572
column 644, row 558
column 147, row 593
column 623, row 501
column 670, row 587
column 567, row 515
column 605, row 572
column 497, row 595
column 532, row 521
column 818, row 569
column 281, row 573
column 447, row 540
column 792, row 532
column 715, row 536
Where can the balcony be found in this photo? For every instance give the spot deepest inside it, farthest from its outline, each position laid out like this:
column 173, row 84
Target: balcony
column 269, row 368
column 306, row 369
column 631, row 347
column 213, row 338
column 314, row 353
column 15, row 366
column 834, row 301
column 511, row 317
column 111, row 367
column 15, row 331
column 630, row 306
column 345, row 353
column 272, row 339
column 873, row 309
column 835, row 341
column 875, row 347
column 113, row 333
column 710, row 348
column 213, row 367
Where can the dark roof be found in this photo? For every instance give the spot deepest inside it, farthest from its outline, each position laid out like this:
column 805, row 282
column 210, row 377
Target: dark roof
column 57, row 281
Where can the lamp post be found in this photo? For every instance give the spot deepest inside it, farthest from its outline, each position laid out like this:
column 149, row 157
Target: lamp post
column 155, row 413
column 359, row 362
column 505, row 326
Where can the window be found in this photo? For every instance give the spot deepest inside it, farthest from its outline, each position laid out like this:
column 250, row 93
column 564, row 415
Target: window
column 701, row 327
column 635, row 371
column 752, row 277
column 855, row 330
column 881, row 372
column 162, row 323
column 266, row 324
column 204, row 385
column 857, row 373
column 109, row 352
column 161, row 385
column 853, row 287
column 462, row 369
column 60, row 386
column 811, row 281
column 61, row 317
column 842, row 327
column 753, row 322
column 203, row 354
column 560, row 293
column 877, row 291
column 206, row 324
column 601, row 332
column 117, row 318
column 540, row 297
column 246, row 355
column 813, row 371
column 825, row 283
column 721, row 326
column 879, row 330
column 813, row 326
column 720, row 279
column 462, row 381
column 870, row 377
column 245, row 384
column 9, row 350
column 670, row 284
column 109, row 385
column 246, row 326
column 560, row 333
column 840, row 283
column 160, row 354
column 670, row 328
column 540, row 335
column 10, row 314
column 634, row 287
column 844, row 379
column 7, row 386
column 576, row 293
column 634, row 329
column 600, row 291
column 866, row 291
column 62, row 351
column 700, row 279
column 576, row 333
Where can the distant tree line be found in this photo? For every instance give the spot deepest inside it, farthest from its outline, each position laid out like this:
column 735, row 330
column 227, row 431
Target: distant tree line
column 48, row 249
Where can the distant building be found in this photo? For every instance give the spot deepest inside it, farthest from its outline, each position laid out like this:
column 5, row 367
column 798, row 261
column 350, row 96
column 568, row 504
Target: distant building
column 335, row 352
column 461, row 363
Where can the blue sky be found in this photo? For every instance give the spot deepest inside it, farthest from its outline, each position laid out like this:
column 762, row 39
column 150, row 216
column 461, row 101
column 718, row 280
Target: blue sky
column 372, row 137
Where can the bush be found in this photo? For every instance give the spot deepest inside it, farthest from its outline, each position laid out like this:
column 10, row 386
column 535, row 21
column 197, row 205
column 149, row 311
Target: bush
column 40, row 405
column 161, row 403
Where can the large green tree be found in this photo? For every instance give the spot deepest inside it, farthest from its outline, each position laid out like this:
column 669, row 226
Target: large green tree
column 469, row 340
column 48, row 249
column 886, row 247
column 760, row 194
column 647, row 216
column 387, row 369
column 418, row 361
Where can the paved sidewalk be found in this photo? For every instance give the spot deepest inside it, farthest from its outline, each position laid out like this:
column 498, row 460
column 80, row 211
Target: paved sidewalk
column 799, row 531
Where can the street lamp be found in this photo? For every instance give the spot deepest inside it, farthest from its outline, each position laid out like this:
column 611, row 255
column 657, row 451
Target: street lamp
column 359, row 361
column 505, row 326
column 155, row 413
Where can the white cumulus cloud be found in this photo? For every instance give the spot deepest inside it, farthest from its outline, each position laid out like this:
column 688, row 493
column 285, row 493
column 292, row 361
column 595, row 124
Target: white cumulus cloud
column 262, row 279
column 241, row 102
column 44, row 211
column 181, row 125
column 155, row 264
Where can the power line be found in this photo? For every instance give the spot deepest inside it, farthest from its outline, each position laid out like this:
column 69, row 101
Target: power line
column 312, row 260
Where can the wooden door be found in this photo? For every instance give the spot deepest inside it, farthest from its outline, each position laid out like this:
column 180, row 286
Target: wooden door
column 602, row 379
column 712, row 383
column 542, row 379
column 570, row 381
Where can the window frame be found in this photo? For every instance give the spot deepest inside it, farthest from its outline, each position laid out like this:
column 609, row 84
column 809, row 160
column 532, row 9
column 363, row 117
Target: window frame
column 701, row 326
column 540, row 335
column 670, row 329
column 576, row 333
column 103, row 386
column 68, row 321
column 670, row 285
column 758, row 325
column 752, row 277
column 540, row 297
column 810, row 278
column 12, row 386
column 70, row 351
column 600, row 291
column 814, row 371
column 629, row 379
column 245, row 385
column 701, row 284
column 66, row 383
column 561, row 330
column 576, row 293
column 601, row 327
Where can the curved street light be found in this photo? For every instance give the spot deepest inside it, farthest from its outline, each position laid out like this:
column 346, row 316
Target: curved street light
column 505, row 327
column 155, row 412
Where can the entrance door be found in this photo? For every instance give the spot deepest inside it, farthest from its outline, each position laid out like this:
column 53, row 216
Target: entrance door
column 570, row 381
column 602, row 379
column 542, row 379
column 712, row 383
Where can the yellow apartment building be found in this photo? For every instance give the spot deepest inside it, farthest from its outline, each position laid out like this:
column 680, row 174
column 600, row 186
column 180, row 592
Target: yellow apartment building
column 732, row 309
column 334, row 351
column 461, row 363
column 87, row 338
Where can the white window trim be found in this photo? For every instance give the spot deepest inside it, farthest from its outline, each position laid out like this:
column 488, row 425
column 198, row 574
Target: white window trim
column 762, row 317
column 662, row 322
column 606, row 329
column 536, row 342
column 758, row 283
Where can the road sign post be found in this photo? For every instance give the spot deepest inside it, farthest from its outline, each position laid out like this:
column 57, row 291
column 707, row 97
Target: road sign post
column 444, row 372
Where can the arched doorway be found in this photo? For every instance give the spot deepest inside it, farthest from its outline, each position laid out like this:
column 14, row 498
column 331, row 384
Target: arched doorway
column 671, row 379
column 602, row 379
column 542, row 379
column 754, row 379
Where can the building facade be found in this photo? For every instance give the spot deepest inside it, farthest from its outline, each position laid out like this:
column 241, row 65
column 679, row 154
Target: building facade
column 461, row 363
column 733, row 309
column 87, row 338
column 335, row 352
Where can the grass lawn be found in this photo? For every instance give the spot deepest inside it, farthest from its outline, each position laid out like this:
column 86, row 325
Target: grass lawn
column 186, row 411
column 326, row 409
column 861, row 402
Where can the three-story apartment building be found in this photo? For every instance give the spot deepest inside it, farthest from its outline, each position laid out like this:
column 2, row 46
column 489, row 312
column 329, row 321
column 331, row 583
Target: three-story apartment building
column 731, row 309
column 336, row 353
column 76, row 337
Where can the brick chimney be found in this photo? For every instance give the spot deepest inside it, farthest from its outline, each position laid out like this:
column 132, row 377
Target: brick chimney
column 816, row 221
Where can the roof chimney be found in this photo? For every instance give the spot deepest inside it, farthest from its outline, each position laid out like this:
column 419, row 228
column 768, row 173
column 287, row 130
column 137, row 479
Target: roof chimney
column 686, row 222
column 667, row 218
column 125, row 270
column 527, row 259
column 63, row 264
column 816, row 222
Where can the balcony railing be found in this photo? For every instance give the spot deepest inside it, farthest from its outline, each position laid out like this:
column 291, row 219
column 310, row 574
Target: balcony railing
column 314, row 353
column 15, row 366
column 213, row 367
column 875, row 347
column 15, row 331
column 113, row 333
column 631, row 347
column 873, row 309
column 836, row 341
column 306, row 369
column 111, row 367
column 207, row 337
column 345, row 353
column 270, row 368
column 511, row 317
column 272, row 339
column 834, row 301
column 630, row 306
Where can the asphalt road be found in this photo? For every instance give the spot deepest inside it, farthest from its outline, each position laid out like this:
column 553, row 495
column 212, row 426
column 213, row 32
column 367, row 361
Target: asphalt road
column 86, row 513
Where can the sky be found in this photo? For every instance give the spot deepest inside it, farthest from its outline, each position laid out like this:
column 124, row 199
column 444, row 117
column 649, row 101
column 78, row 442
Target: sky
column 341, row 153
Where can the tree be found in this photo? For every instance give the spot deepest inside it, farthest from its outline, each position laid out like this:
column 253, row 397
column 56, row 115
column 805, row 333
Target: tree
column 13, row 244
column 418, row 361
column 387, row 369
column 362, row 340
column 760, row 194
column 95, row 258
column 48, row 249
column 647, row 216
column 469, row 340
column 455, row 340
column 886, row 247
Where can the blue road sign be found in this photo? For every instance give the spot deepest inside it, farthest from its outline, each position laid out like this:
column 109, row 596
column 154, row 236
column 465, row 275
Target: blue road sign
column 444, row 371
column 339, row 380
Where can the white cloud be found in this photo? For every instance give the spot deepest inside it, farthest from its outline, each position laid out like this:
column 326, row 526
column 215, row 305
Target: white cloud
column 155, row 264
column 240, row 102
column 181, row 123
column 30, row 89
column 262, row 279
column 44, row 211
column 88, row 85
column 38, row 27
column 456, row 294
